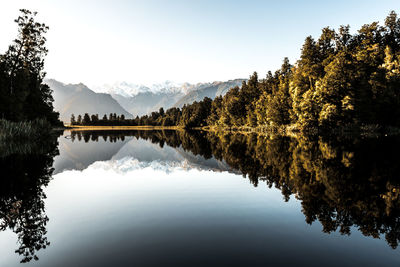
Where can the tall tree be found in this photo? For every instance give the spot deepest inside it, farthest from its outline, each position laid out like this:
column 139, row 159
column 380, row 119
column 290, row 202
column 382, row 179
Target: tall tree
column 73, row 121
column 22, row 73
column 86, row 119
column 79, row 120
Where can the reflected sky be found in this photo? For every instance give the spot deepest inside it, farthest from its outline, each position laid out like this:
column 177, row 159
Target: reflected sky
column 150, row 206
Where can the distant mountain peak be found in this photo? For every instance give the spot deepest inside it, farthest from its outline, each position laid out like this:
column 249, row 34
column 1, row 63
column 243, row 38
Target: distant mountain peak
column 169, row 95
column 127, row 89
column 131, row 99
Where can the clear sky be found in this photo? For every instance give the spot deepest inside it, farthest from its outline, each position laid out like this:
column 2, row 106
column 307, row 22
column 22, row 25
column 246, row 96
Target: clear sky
column 97, row 42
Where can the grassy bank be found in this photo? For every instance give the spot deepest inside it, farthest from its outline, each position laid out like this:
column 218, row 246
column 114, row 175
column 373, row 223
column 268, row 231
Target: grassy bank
column 28, row 137
column 24, row 130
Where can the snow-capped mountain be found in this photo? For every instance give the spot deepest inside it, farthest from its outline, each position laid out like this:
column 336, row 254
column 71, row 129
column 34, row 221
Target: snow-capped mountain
column 127, row 89
column 140, row 100
column 131, row 99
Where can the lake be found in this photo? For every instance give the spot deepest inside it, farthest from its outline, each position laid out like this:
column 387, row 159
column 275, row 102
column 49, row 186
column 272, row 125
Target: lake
column 176, row 198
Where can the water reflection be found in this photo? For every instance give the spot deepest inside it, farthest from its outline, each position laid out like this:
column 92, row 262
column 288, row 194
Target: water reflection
column 26, row 169
column 343, row 183
column 340, row 182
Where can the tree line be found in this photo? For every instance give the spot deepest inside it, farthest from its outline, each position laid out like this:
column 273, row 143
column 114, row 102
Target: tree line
column 341, row 79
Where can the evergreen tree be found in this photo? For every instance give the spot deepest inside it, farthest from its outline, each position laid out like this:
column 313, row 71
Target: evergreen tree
column 94, row 119
column 86, row 119
column 216, row 111
column 73, row 122
column 22, row 91
column 79, row 120
column 161, row 111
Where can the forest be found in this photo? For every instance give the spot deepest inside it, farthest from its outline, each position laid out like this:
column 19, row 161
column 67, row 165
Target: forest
column 341, row 80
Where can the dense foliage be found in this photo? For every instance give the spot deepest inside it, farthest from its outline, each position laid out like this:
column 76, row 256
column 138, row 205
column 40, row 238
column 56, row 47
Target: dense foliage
column 23, row 95
column 341, row 79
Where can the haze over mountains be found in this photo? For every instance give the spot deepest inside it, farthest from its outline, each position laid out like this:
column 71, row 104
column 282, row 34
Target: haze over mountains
column 148, row 99
column 130, row 99
column 211, row 90
column 146, row 102
column 79, row 99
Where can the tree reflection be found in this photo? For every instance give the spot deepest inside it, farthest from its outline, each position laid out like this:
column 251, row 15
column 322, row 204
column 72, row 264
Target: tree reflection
column 22, row 210
column 341, row 183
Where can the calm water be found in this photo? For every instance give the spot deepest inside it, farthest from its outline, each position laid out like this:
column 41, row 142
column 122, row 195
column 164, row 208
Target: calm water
column 195, row 199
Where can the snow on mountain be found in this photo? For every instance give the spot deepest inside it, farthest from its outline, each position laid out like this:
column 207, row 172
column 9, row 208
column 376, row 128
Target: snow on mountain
column 127, row 89
column 143, row 99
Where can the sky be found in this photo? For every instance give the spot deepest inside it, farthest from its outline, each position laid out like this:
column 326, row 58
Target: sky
column 149, row 41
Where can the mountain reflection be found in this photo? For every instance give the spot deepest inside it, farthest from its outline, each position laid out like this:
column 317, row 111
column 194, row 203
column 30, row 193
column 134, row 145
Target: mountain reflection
column 27, row 168
column 341, row 183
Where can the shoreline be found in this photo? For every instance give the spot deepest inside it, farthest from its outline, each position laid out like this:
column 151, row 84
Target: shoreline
column 101, row 128
column 288, row 130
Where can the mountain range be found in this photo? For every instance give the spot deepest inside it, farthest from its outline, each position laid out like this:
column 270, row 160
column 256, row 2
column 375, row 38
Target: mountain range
column 79, row 99
column 211, row 90
column 129, row 99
